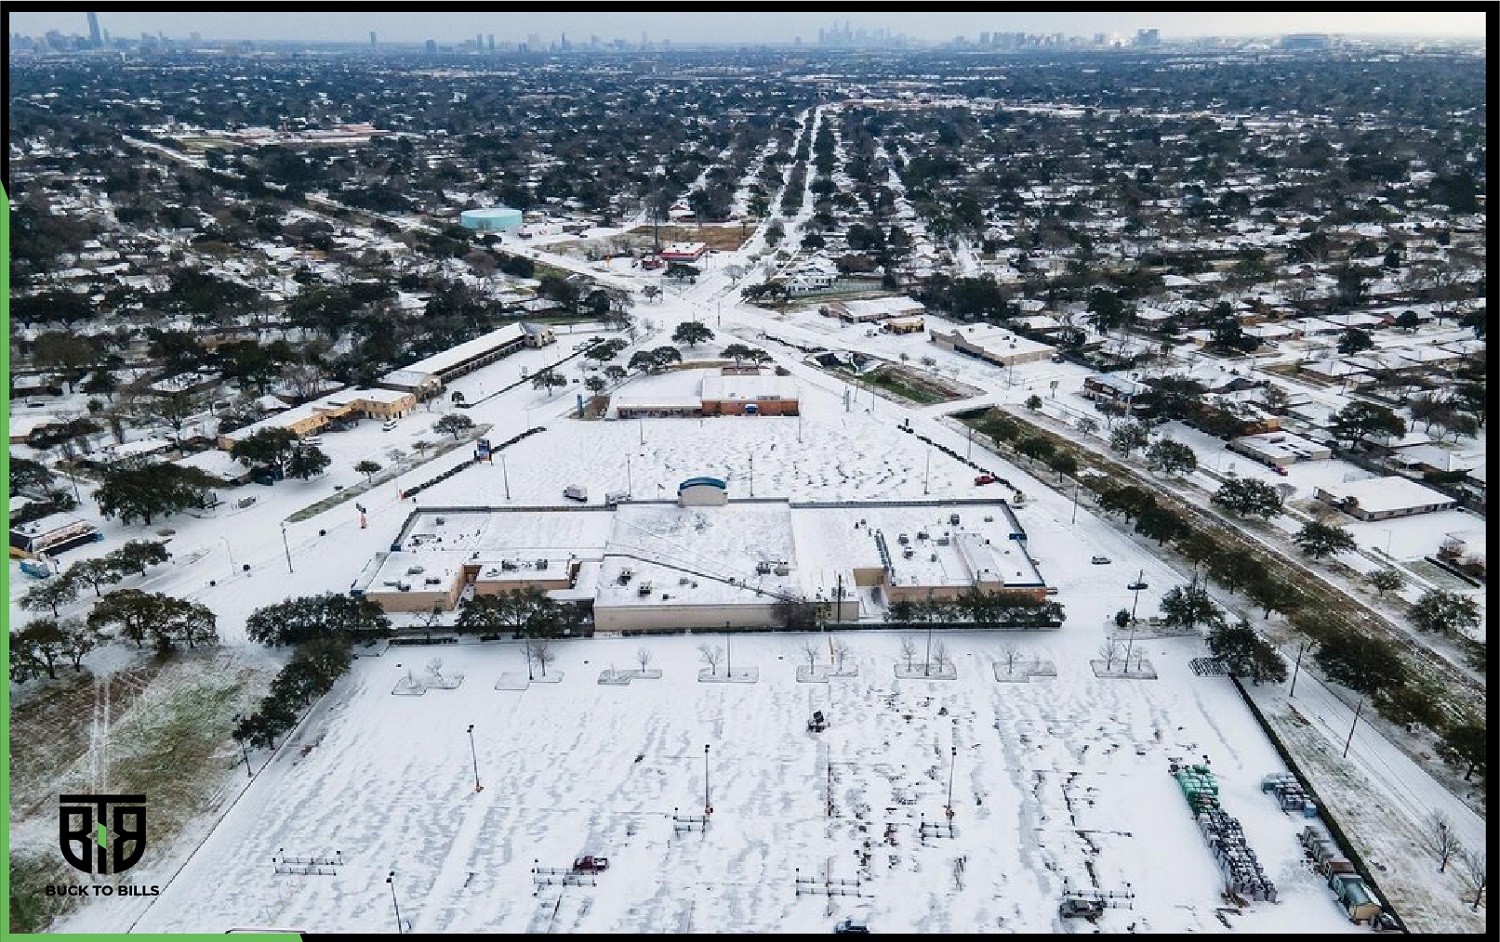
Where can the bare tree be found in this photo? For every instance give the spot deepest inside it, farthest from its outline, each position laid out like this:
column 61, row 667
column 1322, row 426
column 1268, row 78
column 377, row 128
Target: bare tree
column 711, row 654
column 435, row 668
column 841, row 654
column 908, row 651
column 1476, row 872
column 810, row 649
column 1109, row 650
column 1442, row 839
column 1010, row 654
column 540, row 651
column 940, row 655
column 643, row 658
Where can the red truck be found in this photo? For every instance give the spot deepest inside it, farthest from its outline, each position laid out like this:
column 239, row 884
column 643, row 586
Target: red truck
column 590, row 864
column 985, row 479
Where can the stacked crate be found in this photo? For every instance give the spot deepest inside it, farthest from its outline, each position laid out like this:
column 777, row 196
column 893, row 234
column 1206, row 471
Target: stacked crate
column 1289, row 794
column 1243, row 875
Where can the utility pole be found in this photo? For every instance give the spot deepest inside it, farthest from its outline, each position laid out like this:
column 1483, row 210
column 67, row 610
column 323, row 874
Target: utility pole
column 1357, row 708
column 286, row 546
column 505, row 473
column 1136, row 601
column 1296, row 666
column 628, row 488
column 1076, row 484
column 728, row 652
column 752, row 475
column 230, row 550
column 926, row 467
column 969, row 447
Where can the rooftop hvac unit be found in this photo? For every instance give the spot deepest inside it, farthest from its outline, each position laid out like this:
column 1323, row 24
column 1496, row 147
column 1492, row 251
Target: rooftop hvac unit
column 644, row 589
column 541, row 564
column 782, row 569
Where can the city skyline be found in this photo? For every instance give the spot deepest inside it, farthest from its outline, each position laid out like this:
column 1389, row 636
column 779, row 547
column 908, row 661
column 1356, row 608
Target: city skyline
column 732, row 28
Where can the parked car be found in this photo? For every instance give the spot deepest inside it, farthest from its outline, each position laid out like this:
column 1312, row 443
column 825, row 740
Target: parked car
column 1279, row 470
column 574, row 492
column 1136, row 586
column 848, row 926
column 985, row 479
column 1100, row 560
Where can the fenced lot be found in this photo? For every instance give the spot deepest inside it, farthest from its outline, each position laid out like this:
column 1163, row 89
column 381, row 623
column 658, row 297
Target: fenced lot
column 1058, row 786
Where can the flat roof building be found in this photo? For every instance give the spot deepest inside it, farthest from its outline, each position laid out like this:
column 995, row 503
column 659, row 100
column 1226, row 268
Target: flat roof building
column 426, row 377
column 1383, row 498
column 671, row 565
column 994, row 344
column 313, row 416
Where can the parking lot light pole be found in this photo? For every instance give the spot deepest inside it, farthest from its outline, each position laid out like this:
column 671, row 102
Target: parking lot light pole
column 951, row 763
column 288, row 547
column 391, row 881
column 708, row 808
column 1136, row 601
column 474, row 753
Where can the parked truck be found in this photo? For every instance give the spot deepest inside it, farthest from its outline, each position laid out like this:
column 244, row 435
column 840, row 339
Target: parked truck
column 574, row 492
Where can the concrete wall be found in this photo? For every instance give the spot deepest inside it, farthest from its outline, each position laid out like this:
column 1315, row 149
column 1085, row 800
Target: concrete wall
column 678, row 617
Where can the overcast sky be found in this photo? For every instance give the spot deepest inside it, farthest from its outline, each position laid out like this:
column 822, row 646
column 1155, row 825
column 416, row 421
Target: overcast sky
column 720, row 27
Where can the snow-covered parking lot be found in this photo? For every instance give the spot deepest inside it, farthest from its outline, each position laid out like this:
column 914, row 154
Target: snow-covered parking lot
column 1056, row 781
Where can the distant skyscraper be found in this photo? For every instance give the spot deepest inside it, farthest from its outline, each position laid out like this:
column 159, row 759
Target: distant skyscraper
column 491, row 38
column 1147, row 37
column 96, row 40
column 431, row 47
column 372, row 38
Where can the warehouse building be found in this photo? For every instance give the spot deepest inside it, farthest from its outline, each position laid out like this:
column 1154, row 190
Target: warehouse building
column 703, row 562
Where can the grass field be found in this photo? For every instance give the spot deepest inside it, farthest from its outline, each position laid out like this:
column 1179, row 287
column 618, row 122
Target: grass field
column 168, row 738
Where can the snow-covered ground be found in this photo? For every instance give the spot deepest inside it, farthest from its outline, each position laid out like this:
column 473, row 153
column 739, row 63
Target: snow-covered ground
column 385, row 782
column 1057, row 781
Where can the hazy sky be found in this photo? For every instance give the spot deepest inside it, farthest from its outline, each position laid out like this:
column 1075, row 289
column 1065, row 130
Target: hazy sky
column 734, row 27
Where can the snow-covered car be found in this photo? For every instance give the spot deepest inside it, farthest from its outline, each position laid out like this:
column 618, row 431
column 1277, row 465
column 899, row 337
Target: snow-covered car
column 1100, row 560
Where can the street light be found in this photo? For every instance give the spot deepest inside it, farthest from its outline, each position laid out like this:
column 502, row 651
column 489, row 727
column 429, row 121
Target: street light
column 391, row 881
column 1076, row 483
column 505, row 473
column 230, row 550
column 286, row 546
column 477, row 787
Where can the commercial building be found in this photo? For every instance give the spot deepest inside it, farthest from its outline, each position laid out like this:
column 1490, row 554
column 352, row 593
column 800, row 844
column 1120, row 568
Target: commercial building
column 872, row 309
column 1383, row 498
column 425, row 378
column 491, row 219
column 1279, row 449
column 732, row 391
column 683, row 252
column 52, row 535
column 704, row 562
column 994, row 344
column 314, row 416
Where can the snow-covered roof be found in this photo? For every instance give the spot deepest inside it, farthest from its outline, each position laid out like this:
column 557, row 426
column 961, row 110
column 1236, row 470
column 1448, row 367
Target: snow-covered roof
column 744, row 387
column 455, row 356
column 1386, row 494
